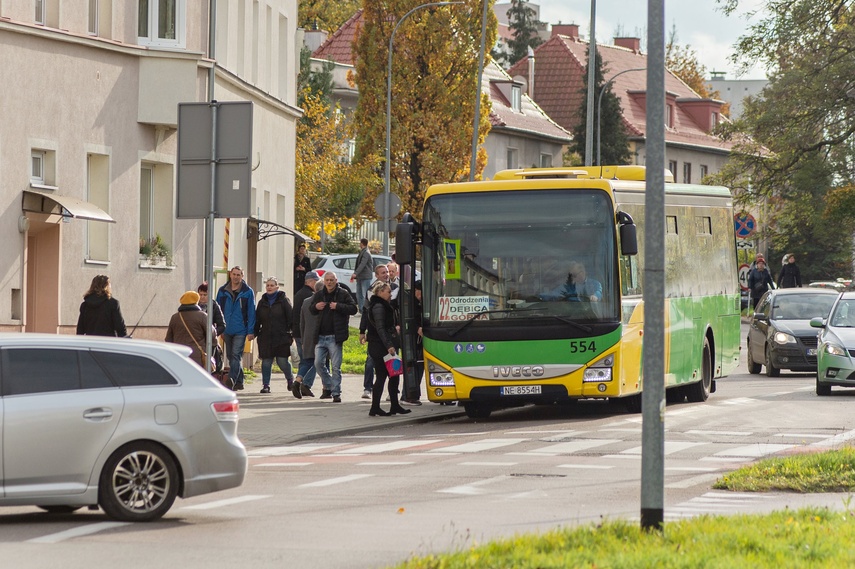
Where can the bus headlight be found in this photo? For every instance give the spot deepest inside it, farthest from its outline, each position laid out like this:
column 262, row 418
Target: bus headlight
column 600, row 370
column 438, row 376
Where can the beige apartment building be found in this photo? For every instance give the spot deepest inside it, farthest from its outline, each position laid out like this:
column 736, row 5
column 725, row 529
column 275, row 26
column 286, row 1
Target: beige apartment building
column 88, row 141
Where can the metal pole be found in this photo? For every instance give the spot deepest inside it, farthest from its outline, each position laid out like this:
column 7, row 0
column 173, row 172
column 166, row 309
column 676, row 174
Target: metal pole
column 387, row 190
column 208, row 269
column 653, row 393
column 592, row 78
column 477, row 121
column 600, row 105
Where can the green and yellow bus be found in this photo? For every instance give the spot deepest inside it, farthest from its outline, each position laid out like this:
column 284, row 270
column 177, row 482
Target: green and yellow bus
column 532, row 288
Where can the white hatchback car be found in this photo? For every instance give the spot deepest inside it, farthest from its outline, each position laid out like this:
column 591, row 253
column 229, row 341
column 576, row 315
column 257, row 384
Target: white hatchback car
column 123, row 424
column 342, row 265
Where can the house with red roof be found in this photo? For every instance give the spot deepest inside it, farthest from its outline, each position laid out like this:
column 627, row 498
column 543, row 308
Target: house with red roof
column 554, row 78
column 521, row 134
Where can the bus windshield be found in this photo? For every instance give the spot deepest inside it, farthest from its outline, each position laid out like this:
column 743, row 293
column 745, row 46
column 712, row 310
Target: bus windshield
column 519, row 258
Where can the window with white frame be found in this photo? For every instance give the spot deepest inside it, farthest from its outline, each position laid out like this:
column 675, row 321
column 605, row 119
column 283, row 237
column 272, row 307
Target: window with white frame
column 37, row 167
column 156, row 199
column 672, row 167
column 160, row 23
column 669, row 116
column 93, row 18
column 704, row 172
column 512, row 158
column 516, row 98
column 40, row 12
column 546, row 160
column 98, row 193
column 687, row 172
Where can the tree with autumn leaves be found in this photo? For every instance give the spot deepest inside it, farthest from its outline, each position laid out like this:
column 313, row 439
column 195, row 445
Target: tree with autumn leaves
column 434, row 78
column 329, row 187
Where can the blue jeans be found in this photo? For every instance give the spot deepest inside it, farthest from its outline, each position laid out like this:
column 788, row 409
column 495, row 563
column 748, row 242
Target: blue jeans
column 267, row 367
column 327, row 348
column 306, row 372
column 234, row 352
column 368, row 378
column 362, row 291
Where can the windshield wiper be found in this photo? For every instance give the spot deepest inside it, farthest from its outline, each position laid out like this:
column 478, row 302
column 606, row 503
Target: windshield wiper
column 477, row 315
column 582, row 327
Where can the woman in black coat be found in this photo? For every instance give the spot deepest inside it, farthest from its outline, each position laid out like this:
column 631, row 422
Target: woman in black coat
column 790, row 276
column 273, row 332
column 383, row 339
column 99, row 313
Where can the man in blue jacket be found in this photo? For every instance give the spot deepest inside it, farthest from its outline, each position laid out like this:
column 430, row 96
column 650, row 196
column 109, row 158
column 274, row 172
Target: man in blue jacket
column 237, row 301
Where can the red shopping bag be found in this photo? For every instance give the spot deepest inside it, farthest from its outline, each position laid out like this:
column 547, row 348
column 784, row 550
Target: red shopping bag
column 394, row 365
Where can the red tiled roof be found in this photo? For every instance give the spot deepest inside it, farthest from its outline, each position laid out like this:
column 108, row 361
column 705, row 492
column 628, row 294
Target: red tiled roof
column 530, row 118
column 339, row 46
column 559, row 67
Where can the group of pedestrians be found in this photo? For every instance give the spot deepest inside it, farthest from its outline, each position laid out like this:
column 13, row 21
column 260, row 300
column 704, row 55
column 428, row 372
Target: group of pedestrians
column 760, row 278
column 317, row 325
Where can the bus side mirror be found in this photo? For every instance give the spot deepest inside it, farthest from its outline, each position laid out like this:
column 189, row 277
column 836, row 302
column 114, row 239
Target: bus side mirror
column 628, row 240
column 404, row 243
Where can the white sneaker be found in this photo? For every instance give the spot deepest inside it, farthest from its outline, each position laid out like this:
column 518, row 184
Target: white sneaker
column 366, row 394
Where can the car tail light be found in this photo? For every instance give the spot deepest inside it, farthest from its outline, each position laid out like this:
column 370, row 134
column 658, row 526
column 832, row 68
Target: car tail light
column 226, row 410
column 320, row 272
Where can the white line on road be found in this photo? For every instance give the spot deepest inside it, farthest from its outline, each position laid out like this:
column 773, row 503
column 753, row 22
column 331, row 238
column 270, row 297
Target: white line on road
column 835, row 440
column 754, row 451
column 402, row 463
column 384, row 447
column 585, row 466
column 292, row 449
column 723, row 433
column 226, row 502
column 478, row 446
column 488, row 463
column 568, row 447
column 693, row 481
column 333, row 481
column 800, row 436
column 77, row 532
column 269, row 464
column 473, row 488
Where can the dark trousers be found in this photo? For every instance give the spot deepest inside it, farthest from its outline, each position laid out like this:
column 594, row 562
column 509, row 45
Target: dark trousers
column 380, row 376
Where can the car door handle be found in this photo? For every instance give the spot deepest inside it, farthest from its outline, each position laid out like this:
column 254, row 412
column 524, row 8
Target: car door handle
column 98, row 413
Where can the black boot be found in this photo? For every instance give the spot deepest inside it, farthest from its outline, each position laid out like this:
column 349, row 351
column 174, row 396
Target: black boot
column 376, row 395
column 396, row 408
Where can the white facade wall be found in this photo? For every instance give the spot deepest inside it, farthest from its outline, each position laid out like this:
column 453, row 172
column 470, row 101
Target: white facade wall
column 103, row 108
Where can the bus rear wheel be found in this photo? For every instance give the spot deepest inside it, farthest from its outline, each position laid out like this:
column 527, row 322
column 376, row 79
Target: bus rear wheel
column 477, row 410
column 700, row 391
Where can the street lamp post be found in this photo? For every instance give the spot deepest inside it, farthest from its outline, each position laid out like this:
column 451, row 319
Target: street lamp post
column 600, row 105
column 387, row 190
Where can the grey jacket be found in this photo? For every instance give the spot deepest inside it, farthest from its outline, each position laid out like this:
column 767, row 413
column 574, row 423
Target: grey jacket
column 364, row 265
column 309, row 324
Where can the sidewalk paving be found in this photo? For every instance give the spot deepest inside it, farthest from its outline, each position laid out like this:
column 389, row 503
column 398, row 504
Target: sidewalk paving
column 279, row 418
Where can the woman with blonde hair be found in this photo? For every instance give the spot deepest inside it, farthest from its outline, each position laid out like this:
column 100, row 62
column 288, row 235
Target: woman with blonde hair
column 100, row 314
column 383, row 339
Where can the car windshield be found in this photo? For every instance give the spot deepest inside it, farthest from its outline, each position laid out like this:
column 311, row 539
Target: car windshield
column 802, row 306
column 844, row 314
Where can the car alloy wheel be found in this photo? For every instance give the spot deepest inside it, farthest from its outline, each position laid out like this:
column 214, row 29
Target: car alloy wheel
column 139, row 483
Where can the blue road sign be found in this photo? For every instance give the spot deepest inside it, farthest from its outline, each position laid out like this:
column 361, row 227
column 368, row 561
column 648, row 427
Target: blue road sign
column 745, row 225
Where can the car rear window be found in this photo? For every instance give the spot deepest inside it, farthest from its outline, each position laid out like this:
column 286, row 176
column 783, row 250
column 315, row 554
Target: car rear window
column 43, row 370
column 318, row 261
column 133, row 371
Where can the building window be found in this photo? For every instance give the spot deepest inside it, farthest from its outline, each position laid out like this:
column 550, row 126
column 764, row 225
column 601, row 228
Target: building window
column 156, row 199
column 672, row 166
column 37, row 173
column 161, row 22
column 713, row 120
column 703, row 224
column 704, row 172
column 512, row 158
column 546, row 160
column 687, row 172
column 98, row 193
column 671, row 224
column 93, row 17
column 516, row 98
column 669, row 116
column 40, row 12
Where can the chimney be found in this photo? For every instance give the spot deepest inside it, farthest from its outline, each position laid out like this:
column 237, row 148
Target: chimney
column 530, row 72
column 571, row 30
column 632, row 44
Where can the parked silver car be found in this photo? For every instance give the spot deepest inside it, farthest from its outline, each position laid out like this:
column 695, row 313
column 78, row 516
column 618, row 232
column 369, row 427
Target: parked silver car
column 123, row 424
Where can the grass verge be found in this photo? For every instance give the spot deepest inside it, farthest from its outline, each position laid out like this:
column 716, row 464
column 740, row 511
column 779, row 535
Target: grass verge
column 829, row 471
column 806, row 538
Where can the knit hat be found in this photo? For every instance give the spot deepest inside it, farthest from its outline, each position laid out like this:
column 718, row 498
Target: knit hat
column 190, row 297
column 312, row 275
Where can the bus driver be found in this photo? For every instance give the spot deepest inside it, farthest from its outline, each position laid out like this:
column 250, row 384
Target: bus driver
column 577, row 288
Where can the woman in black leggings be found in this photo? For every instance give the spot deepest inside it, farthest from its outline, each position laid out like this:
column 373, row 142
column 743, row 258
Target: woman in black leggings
column 383, row 339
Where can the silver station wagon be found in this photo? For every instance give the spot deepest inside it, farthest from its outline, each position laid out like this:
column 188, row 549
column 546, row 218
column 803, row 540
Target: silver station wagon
column 123, row 424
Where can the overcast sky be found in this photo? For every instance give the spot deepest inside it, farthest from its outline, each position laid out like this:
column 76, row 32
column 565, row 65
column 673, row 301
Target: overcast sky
column 700, row 24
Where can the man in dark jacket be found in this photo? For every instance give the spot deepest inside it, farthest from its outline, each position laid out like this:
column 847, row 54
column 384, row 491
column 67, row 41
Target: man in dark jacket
column 363, row 272
column 310, row 278
column 237, row 301
column 335, row 306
